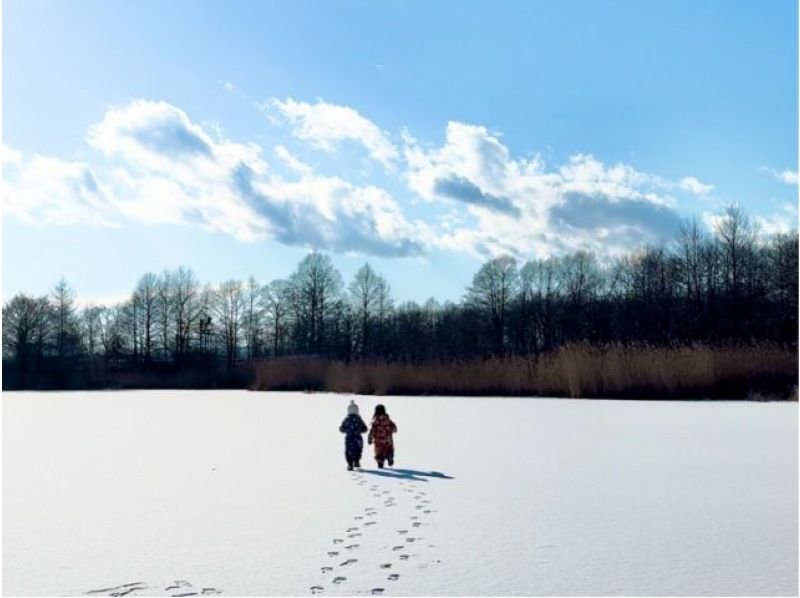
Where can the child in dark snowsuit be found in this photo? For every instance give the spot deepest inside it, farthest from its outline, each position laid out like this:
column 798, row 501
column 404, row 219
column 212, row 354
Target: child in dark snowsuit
column 380, row 434
column 353, row 427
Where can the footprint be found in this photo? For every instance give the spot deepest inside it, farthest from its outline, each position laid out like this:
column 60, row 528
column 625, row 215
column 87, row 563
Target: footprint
column 211, row 591
column 414, row 517
column 356, row 535
column 418, row 507
column 404, row 557
column 104, row 590
column 393, row 577
column 426, row 511
column 127, row 591
column 377, row 591
column 352, row 529
column 352, row 546
column 348, row 562
column 386, row 565
column 400, row 547
column 402, row 531
column 385, row 492
column 339, row 579
column 358, row 517
column 337, row 540
column 416, row 524
column 327, row 569
column 332, row 553
column 411, row 539
column 175, row 595
column 317, row 589
column 120, row 590
column 370, row 523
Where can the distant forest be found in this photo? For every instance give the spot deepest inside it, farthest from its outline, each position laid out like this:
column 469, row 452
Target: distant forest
column 730, row 285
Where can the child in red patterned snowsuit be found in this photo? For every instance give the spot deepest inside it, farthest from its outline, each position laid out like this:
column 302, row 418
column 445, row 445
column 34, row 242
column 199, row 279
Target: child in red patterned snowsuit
column 380, row 434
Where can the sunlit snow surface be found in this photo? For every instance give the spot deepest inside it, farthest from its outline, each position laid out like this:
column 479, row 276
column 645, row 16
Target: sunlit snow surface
column 176, row 493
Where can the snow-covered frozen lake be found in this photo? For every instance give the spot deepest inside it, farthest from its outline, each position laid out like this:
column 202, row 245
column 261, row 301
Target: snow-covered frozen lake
column 175, row 492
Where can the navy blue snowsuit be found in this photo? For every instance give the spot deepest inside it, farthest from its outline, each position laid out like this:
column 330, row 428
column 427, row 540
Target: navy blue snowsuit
column 353, row 427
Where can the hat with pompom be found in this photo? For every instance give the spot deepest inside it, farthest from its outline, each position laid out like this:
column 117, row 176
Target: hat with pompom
column 352, row 408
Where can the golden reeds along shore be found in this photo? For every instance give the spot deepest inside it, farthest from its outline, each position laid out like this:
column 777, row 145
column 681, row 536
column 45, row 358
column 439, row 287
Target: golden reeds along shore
column 763, row 371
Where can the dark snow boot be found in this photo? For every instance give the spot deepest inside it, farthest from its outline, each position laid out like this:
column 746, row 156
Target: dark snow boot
column 357, row 464
column 380, row 464
column 349, row 467
column 391, row 461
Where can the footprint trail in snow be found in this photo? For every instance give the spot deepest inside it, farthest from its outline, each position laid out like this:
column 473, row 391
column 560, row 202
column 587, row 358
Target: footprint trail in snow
column 387, row 524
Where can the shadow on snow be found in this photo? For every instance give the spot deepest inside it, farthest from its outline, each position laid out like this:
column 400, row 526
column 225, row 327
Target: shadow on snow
column 408, row 474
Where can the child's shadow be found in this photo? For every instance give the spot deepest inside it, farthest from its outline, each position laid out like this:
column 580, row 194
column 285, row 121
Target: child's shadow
column 408, row 474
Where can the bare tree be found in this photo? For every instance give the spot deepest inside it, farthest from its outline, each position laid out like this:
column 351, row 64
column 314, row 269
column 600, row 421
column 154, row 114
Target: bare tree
column 185, row 290
column 736, row 234
column 147, row 293
column 24, row 317
column 164, row 309
column 253, row 317
column 369, row 295
column 229, row 304
column 277, row 298
column 66, row 330
column 493, row 288
column 315, row 288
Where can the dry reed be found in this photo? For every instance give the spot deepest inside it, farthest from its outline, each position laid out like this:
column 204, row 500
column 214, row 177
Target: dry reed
column 575, row 370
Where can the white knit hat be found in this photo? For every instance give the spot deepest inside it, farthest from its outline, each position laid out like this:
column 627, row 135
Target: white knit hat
column 352, row 408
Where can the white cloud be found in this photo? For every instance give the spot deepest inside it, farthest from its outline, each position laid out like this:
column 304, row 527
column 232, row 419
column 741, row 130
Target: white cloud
column 790, row 177
column 693, row 185
column 292, row 161
column 42, row 191
column 10, row 156
column 324, row 125
column 783, row 220
column 151, row 135
column 330, row 213
column 159, row 166
column 164, row 168
column 520, row 207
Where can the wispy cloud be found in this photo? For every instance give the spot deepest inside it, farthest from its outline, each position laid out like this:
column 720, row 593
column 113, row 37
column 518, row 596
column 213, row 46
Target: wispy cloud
column 693, row 185
column 326, row 125
column 782, row 221
column 788, row 176
column 43, row 191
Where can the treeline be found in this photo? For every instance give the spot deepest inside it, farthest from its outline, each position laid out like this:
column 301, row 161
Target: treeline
column 729, row 285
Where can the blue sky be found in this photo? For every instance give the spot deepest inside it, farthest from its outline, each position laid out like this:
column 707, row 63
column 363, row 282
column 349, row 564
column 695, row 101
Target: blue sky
column 231, row 137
